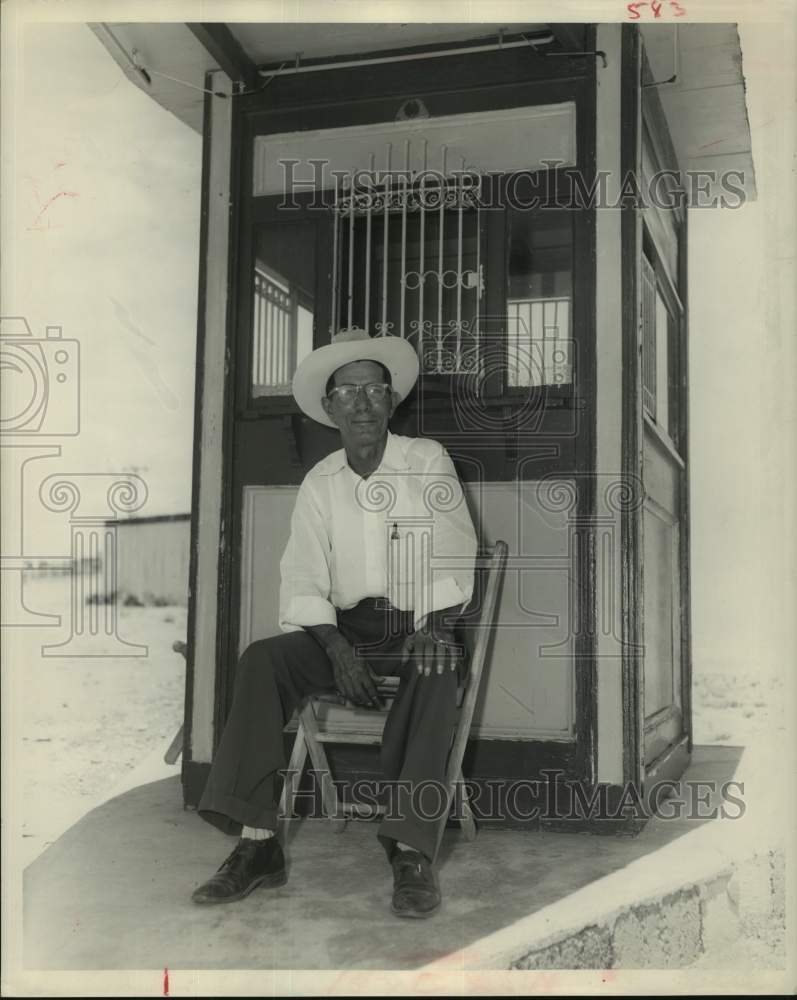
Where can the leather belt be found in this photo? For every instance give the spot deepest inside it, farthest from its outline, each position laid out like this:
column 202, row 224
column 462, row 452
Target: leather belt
column 380, row 604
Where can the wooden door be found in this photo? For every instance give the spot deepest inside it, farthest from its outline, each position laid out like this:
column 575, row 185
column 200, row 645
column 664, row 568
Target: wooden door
column 665, row 560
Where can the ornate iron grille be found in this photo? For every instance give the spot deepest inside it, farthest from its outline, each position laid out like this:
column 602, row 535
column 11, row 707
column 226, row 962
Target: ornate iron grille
column 407, row 263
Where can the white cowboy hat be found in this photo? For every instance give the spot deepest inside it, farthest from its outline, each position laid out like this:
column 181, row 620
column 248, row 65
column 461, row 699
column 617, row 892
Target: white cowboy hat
column 310, row 380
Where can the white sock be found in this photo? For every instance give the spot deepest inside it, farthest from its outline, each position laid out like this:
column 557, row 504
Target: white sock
column 254, row 833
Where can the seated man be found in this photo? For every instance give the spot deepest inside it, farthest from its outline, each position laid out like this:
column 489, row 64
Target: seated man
column 359, row 598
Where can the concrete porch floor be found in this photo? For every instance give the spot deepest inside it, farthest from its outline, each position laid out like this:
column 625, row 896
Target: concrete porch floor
column 114, row 891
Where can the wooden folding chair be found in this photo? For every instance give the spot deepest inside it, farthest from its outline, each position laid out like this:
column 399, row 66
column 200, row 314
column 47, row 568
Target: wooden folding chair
column 311, row 736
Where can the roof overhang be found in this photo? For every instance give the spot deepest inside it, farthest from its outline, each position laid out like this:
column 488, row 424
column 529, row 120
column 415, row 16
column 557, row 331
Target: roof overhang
column 186, row 52
column 704, row 105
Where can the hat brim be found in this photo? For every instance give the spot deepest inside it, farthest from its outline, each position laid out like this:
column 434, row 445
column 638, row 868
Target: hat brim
column 310, row 380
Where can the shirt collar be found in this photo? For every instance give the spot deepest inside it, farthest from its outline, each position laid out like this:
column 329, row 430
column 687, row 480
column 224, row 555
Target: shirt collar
column 393, row 458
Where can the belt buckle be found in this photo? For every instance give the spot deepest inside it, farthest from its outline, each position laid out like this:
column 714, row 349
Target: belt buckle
column 382, row 604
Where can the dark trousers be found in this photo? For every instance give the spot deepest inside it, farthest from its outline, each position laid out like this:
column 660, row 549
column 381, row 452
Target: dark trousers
column 274, row 675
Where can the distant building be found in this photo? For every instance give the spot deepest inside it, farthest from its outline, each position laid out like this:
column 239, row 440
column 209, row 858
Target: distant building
column 152, row 558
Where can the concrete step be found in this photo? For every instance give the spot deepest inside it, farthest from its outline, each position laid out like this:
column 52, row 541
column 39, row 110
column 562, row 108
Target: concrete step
column 702, row 920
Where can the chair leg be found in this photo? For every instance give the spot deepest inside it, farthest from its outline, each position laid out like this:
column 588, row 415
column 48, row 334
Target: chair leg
column 291, row 785
column 329, row 795
column 468, row 820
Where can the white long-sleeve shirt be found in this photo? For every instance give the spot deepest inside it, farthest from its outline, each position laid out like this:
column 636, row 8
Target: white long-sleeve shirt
column 404, row 533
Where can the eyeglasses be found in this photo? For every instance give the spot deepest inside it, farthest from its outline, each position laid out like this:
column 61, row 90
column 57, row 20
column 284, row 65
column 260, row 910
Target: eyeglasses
column 347, row 394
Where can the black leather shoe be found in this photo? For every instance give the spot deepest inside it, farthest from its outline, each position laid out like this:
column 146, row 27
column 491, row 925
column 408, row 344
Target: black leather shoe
column 251, row 864
column 415, row 891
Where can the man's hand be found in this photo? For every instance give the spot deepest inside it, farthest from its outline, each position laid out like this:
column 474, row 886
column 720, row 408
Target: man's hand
column 433, row 647
column 353, row 676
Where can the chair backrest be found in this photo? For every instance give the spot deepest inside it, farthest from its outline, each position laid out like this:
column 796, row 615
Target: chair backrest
column 479, row 621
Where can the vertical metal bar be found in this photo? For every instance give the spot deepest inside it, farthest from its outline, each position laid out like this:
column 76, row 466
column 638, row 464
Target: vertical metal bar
column 280, row 344
column 555, row 351
column 441, row 235
column 458, row 356
column 335, row 216
column 511, row 342
column 477, row 332
column 546, row 329
column 421, row 252
column 289, row 343
column 274, row 324
column 368, row 222
column 388, row 188
column 257, row 326
column 290, row 340
column 292, row 320
column 263, row 334
column 286, row 346
column 271, row 344
column 528, row 340
column 351, row 258
column 281, row 341
column 255, row 373
column 404, row 234
column 264, row 342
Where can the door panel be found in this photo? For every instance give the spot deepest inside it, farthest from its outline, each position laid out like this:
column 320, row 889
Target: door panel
column 662, row 599
column 528, row 691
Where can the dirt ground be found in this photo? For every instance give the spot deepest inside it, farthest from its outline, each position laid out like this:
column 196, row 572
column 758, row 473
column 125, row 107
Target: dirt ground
column 84, row 724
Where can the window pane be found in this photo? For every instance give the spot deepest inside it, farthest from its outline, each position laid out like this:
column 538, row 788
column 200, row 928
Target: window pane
column 649, row 352
column 539, row 297
column 662, row 363
column 662, row 222
column 283, row 305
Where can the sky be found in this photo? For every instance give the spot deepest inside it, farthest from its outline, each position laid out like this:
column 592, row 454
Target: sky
column 113, row 259
column 105, row 220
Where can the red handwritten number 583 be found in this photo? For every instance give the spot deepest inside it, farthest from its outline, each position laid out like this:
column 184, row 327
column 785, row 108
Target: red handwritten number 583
column 656, row 6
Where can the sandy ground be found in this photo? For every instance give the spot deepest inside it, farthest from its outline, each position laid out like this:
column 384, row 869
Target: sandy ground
column 83, row 725
column 742, row 710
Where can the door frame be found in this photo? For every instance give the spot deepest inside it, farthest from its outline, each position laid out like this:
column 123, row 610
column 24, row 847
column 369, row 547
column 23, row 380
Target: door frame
column 638, row 104
column 544, row 81
column 546, row 78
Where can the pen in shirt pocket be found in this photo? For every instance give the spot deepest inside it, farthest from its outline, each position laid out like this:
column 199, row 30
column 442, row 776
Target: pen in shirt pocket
column 394, row 569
